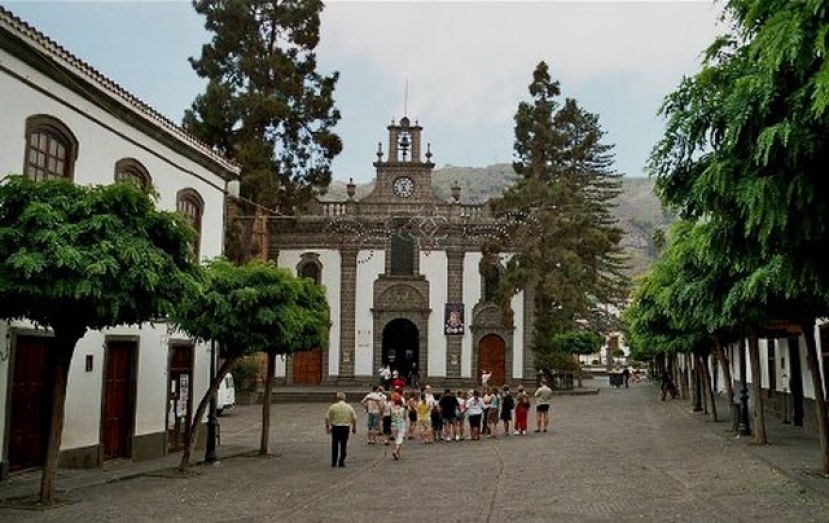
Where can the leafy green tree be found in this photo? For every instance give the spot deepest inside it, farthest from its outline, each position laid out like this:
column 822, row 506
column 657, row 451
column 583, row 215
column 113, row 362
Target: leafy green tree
column 565, row 238
column 256, row 307
column 577, row 343
column 266, row 105
column 74, row 258
column 745, row 149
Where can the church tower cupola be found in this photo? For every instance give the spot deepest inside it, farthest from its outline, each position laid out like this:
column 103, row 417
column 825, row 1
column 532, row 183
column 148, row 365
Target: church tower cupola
column 405, row 144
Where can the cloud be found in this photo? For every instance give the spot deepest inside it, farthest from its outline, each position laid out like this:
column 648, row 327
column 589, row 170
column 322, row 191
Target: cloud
column 469, row 63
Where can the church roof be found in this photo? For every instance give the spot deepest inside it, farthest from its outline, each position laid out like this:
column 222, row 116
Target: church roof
column 24, row 37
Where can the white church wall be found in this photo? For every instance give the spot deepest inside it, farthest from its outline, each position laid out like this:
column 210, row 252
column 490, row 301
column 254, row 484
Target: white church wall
column 434, row 267
column 471, row 295
column 370, row 264
column 331, row 275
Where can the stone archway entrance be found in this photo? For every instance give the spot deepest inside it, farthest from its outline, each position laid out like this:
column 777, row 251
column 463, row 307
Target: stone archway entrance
column 401, row 345
column 492, row 358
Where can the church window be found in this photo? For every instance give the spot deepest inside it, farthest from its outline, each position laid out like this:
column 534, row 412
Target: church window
column 310, row 267
column 191, row 205
column 51, row 148
column 131, row 169
column 402, row 255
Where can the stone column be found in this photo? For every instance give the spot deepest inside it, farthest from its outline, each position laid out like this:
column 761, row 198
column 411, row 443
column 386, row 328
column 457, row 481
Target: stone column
column 454, row 272
column 348, row 304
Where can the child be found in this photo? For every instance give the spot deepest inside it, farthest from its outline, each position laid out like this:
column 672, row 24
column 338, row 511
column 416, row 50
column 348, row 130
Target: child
column 521, row 411
column 507, row 404
column 437, row 423
column 424, row 422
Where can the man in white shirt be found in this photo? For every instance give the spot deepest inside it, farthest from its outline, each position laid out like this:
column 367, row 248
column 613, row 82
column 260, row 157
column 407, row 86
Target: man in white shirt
column 373, row 403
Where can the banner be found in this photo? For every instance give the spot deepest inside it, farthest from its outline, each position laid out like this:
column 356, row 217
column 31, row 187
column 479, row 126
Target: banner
column 453, row 319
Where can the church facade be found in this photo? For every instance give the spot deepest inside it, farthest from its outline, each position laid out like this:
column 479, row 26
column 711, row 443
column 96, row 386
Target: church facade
column 402, row 269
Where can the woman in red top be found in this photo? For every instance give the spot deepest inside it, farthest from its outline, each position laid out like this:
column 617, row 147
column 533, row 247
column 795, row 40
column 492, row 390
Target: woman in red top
column 397, row 382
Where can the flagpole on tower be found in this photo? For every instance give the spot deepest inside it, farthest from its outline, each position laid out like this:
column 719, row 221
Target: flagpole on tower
column 406, row 99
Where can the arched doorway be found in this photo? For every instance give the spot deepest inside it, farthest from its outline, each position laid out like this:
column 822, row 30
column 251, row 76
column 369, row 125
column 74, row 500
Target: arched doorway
column 492, row 356
column 401, row 346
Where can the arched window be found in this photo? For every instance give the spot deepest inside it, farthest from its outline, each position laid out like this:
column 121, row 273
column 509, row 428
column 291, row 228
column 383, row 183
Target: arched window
column 132, row 169
column 310, row 267
column 51, row 148
column 191, row 205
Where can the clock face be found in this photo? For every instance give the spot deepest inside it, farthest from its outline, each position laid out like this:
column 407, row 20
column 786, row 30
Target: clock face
column 403, row 187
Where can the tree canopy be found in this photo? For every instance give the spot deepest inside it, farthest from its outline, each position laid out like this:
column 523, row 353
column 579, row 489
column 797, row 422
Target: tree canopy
column 565, row 238
column 266, row 105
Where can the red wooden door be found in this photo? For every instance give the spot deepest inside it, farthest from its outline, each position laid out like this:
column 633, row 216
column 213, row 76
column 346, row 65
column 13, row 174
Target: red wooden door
column 30, row 402
column 492, row 358
column 118, row 399
column 180, row 398
column 308, row 367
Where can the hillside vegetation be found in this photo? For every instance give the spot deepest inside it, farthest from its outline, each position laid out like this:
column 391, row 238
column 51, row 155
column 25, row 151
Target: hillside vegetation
column 637, row 208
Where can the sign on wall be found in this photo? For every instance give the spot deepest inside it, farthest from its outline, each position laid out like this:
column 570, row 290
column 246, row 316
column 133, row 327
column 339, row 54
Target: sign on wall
column 453, row 318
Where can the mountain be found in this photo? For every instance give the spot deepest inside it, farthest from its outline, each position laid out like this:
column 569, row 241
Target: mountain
column 637, row 207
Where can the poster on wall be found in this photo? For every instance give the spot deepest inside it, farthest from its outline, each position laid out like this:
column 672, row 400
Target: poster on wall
column 453, row 319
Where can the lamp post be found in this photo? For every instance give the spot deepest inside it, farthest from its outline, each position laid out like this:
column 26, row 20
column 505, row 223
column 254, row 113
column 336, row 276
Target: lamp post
column 744, row 427
column 212, row 418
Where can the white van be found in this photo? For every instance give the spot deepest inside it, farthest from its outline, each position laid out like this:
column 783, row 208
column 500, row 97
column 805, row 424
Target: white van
column 226, row 397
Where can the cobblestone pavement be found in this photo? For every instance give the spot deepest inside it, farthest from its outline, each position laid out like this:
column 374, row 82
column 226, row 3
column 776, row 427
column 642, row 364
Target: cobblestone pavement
column 618, row 456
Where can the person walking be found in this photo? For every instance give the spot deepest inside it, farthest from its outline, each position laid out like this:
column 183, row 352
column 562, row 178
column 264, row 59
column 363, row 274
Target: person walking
column 492, row 413
column 543, row 396
column 385, row 417
column 339, row 418
column 475, row 409
column 411, row 407
column 626, row 375
column 398, row 421
column 372, row 403
column 522, row 411
column 507, row 404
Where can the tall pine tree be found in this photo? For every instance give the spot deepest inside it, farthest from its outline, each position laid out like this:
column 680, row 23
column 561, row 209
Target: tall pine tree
column 566, row 241
column 265, row 104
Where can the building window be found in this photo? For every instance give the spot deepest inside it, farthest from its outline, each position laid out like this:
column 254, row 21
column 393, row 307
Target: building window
column 310, row 267
column 132, row 169
column 402, row 255
column 190, row 204
column 51, row 149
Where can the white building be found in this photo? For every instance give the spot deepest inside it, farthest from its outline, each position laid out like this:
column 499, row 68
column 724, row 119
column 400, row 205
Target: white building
column 129, row 387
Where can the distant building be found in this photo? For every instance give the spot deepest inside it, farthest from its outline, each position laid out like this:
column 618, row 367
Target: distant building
column 405, row 279
column 129, row 387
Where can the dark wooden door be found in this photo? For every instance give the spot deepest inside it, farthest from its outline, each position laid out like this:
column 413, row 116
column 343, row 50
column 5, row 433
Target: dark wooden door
column 30, row 402
column 492, row 358
column 119, row 410
column 308, row 367
column 180, row 395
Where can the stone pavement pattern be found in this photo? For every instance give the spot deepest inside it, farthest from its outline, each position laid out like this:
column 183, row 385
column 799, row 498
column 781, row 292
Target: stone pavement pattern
column 618, row 456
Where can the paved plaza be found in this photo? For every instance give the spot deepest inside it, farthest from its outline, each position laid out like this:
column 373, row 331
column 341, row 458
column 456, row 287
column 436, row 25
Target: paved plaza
column 621, row 455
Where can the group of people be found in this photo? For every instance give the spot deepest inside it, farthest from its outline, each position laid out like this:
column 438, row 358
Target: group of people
column 419, row 413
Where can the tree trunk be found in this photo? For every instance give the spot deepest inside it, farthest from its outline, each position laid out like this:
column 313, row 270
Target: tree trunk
column 709, row 387
column 266, row 405
column 191, row 435
column 820, row 396
column 578, row 369
column 64, row 348
column 757, row 386
column 703, row 388
column 682, row 379
column 726, row 368
column 696, row 389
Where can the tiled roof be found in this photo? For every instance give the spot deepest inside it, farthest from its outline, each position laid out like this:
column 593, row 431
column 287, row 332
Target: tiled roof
column 43, row 44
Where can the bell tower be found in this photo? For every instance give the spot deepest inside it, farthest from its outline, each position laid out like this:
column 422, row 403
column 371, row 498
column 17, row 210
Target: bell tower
column 405, row 174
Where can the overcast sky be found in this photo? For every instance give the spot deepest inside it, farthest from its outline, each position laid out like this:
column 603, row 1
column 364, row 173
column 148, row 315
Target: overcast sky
column 468, row 64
